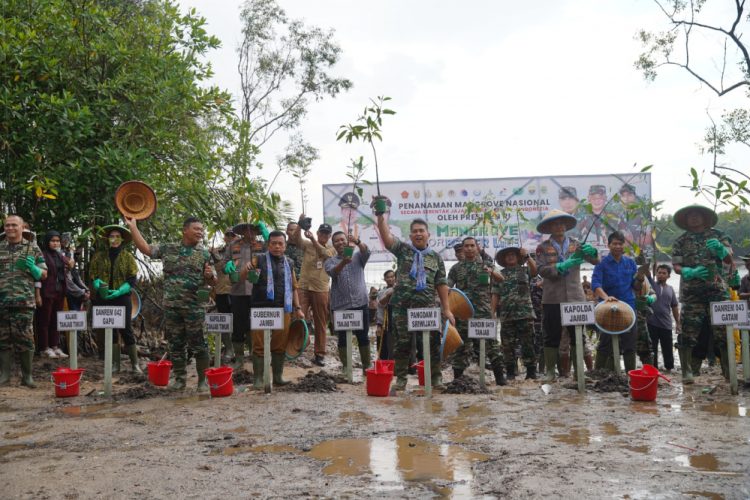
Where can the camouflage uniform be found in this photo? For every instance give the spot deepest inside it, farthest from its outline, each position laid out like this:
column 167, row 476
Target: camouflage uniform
column 405, row 296
column 643, row 341
column 689, row 250
column 17, row 296
column 465, row 276
column 536, row 303
column 183, row 277
column 516, row 312
column 295, row 253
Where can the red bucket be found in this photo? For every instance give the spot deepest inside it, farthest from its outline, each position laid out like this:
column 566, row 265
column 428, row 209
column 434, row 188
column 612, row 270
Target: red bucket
column 158, row 372
column 420, row 371
column 384, row 365
column 220, row 381
column 643, row 385
column 67, row 381
column 378, row 383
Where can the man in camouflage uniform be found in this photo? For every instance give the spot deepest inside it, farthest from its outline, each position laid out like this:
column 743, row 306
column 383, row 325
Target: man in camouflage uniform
column 644, row 297
column 465, row 276
column 21, row 264
column 420, row 279
column 293, row 251
column 187, row 270
column 596, row 226
column 697, row 256
column 537, row 289
column 511, row 301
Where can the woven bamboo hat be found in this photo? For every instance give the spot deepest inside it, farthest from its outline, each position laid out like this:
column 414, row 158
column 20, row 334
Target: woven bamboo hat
column 459, row 304
column 135, row 199
column 502, row 254
column 125, row 232
column 553, row 215
column 450, row 341
column 297, row 340
column 680, row 216
column 614, row 317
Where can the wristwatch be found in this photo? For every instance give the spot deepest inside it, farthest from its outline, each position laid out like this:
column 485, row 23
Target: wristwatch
column 359, row 242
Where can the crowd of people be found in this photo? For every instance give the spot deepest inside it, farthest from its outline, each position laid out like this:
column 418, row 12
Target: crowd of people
column 310, row 275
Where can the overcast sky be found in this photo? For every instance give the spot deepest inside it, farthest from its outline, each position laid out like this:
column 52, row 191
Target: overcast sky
column 493, row 89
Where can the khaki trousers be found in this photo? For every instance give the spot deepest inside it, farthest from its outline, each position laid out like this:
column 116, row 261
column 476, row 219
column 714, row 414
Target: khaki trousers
column 317, row 304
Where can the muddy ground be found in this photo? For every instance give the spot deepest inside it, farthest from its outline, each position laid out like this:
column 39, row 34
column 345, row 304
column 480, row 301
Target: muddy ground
column 516, row 441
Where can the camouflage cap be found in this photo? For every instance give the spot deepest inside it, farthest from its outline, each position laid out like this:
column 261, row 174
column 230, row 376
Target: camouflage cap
column 627, row 188
column 597, row 189
column 567, row 192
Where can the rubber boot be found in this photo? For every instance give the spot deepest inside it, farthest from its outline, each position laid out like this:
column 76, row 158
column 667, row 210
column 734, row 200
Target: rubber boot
column 5, row 367
column 26, row 364
column 499, row 378
column 695, row 364
column 686, row 355
column 540, row 360
column 342, row 358
column 239, row 356
column 601, row 361
column 437, row 380
column 550, row 362
column 400, row 368
column 588, row 361
column 564, row 366
column 201, row 365
column 180, row 374
column 115, row 357
column 646, row 358
column 531, row 371
column 510, row 371
column 257, row 372
column 457, row 373
column 226, row 342
column 724, row 364
column 277, row 365
column 629, row 358
column 364, row 355
column 133, row 355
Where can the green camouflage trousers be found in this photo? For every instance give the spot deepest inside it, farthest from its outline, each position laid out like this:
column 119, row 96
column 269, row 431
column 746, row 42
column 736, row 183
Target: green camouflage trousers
column 185, row 334
column 643, row 341
column 518, row 331
column 402, row 341
column 694, row 317
column 17, row 328
column 463, row 355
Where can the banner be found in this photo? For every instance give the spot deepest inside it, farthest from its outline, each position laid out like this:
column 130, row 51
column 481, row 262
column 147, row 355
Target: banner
column 455, row 209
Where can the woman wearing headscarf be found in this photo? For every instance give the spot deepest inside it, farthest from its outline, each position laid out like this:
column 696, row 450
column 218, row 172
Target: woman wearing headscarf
column 53, row 297
column 113, row 273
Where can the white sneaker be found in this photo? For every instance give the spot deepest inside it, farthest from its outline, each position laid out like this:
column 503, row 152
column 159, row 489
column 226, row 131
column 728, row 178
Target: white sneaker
column 60, row 353
column 50, row 353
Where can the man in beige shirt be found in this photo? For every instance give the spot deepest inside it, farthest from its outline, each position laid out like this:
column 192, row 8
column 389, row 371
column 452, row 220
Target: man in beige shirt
column 314, row 282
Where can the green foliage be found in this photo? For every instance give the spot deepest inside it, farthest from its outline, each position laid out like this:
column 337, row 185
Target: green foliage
column 356, row 173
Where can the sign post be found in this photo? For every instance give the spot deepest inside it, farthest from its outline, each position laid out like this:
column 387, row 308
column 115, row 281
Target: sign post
column 730, row 314
column 109, row 318
column 72, row 322
column 425, row 320
column 744, row 327
column 216, row 324
column 482, row 329
column 579, row 314
column 267, row 319
column 348, row 321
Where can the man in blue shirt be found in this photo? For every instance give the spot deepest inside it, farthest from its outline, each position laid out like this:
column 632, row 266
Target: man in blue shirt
column 614, row 279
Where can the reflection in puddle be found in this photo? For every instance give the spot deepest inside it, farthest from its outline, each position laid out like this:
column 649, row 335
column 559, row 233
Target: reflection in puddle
column 702, row 461
column 239, row 430
column 644, row 407
column 705, row 494
column 355, row 417
column 403, row 459
column 510, row 391
column 429, row 406
column 100, row 410
column 725, row 409
column 576, row 437
column 610, row 429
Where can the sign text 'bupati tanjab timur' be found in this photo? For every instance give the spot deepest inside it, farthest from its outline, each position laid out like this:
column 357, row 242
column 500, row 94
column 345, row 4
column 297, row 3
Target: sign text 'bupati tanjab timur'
column 614, row 202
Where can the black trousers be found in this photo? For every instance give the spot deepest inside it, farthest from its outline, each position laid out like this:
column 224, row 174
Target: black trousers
column 662, row 336
column 552, row 326
column 123, row 300
column 240, row 305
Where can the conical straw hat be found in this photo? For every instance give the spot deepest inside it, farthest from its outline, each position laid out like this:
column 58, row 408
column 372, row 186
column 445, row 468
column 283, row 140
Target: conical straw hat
column 450, row 341
column 553, row 215
column 135, row 199
column 297, row 340
column 680, row 216
column 459, row 304
column 614, row 317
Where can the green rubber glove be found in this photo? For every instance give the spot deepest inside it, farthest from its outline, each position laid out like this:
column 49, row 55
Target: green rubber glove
column 123, row 290
column 716, row 248
column 695, row 273
column 589, row 251
column 34, row 270
column 263, row 230
column 650, row 299
column 229, row 267
column 734, row 281
column 97, row 284
column 562, row 267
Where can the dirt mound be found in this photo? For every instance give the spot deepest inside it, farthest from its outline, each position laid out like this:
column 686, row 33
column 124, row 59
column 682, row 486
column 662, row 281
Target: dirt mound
column 315, row 382
column 142, row 391
column 127, row 378
column 464, row 385
column 611, row 383
column 242, row 377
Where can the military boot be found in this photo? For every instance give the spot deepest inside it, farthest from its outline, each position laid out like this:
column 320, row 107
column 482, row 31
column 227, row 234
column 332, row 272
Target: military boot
column 5, row 357
column 133, row 355
column 257, row 372
column 686, row 354
column 510, row 371
column 499, row 378
column 201, row 365
column 239, row 356
column 364, row 355
column 629, row 358
column 646, row 358
column 400, row 367
column 695, row 364
column 115, row 357
column 342, row 357
column 180, row 374
column 277, row 365
column 550, row 362
column 588, row 361
column 531, row 371
column 26, row 367
column 564, row 363
column 601, row 361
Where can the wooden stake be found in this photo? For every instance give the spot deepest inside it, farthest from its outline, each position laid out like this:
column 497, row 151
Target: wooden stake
column 746, row 356
column 108, row 362
column 616, row 351
column 482, row 355
column 73, row 349
column 348, row 360
column 731, row 361
column 427, row 364
column 579, row 359
column 268, row 388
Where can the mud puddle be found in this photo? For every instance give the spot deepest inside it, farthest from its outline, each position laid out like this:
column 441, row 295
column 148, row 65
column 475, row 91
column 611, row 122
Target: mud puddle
column 444, row 469
column 725, row 409
column 700, row 461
